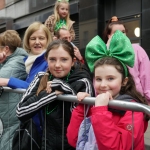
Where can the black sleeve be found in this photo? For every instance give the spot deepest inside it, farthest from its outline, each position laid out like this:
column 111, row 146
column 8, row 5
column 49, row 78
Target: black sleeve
column 31, row 103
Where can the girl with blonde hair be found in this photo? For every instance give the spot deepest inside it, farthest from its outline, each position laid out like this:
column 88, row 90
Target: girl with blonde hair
column 60, row 18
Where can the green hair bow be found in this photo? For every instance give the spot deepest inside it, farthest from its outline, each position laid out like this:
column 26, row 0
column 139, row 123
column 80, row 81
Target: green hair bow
column 120, row 48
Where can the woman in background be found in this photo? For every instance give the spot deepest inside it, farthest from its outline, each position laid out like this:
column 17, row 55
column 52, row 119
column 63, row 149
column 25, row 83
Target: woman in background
column 36, row 39
column 140, row 70
column 11, row 65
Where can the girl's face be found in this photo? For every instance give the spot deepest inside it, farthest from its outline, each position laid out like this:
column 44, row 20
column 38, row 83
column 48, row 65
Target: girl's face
column 63, row 10
column 38, row 42
column 59, row 62
column 107, row 78
column 117, row 27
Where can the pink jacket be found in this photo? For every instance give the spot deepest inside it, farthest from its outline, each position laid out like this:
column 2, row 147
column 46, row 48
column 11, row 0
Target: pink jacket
column 112, row 131
column 141, row 71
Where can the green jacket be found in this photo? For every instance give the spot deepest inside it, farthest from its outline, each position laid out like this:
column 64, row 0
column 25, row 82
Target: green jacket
column 13, row 66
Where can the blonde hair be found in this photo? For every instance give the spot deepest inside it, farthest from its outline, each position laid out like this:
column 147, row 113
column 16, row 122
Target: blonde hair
column 11, row 39
column 31, row 29
column 56, row 8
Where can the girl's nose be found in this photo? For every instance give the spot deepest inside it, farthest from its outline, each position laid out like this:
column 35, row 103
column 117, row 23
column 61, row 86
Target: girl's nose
column 103, row 83
column 57, row 64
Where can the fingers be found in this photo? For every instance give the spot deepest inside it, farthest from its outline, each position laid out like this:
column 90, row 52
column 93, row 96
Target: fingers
column 82, row 95
column 78, row 55
column 58, row 92
column 103, row 99
column 76, row 50
column 48, row 88
column 110, row 96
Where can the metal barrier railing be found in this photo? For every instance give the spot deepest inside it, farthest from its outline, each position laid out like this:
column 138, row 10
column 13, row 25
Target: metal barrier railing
column 116, row 104
column 90, row 100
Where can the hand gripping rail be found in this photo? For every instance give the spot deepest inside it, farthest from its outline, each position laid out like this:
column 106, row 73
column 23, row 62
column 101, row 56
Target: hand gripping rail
column 116, row 104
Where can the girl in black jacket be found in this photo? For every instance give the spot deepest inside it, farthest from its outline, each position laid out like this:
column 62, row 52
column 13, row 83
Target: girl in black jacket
column 64, row 76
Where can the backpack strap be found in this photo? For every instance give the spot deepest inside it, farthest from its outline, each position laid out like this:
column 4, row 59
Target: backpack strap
column 86, row 110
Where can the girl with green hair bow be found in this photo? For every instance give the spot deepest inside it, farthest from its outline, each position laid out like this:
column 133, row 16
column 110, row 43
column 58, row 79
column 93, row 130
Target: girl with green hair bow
column 112, row 128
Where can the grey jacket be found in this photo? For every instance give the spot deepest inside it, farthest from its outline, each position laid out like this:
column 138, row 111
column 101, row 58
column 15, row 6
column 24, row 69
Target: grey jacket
column 13, row 66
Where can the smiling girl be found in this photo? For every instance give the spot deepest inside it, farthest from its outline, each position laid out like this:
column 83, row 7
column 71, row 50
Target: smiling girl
column 140, row 71
column 112, row 128
column 62, row 76
column 60, row 18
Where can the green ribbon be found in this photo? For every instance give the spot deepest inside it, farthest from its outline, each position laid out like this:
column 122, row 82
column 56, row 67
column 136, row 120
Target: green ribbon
column 120, row 48
column 60, row 24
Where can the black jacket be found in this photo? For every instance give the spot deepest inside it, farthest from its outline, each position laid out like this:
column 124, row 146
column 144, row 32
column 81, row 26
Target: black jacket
column 78, row 81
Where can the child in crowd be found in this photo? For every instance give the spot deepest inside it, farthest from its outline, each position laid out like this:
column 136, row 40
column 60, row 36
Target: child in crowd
column 60, row 18
column 112, row 128
column 62, row 76
column 140, row 70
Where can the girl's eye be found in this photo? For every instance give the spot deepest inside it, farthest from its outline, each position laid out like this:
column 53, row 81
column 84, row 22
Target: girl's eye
column 64, row 59
column 98, row 79
column 32, row 38
column 51, row 59
column 110, row 79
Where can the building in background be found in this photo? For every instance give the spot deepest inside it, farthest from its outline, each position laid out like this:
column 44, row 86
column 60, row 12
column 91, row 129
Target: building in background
column 90, row 16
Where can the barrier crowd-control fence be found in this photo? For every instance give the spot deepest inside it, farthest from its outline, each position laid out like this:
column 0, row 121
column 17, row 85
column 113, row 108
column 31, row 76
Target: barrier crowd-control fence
column 116, row 104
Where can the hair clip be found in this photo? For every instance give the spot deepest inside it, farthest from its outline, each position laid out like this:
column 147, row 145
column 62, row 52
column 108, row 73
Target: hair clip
column 114, row 18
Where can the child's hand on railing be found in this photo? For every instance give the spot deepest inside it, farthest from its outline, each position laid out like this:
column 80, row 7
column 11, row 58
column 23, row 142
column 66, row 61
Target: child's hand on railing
column 103, row 99
column 82, row 95
column 48, row 88
column 58, row 92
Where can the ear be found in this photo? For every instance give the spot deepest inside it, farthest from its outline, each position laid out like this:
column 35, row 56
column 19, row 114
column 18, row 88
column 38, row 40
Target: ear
column 7, row 50
column 73, row 61
column 125, row 81
column 55, row 38
column 108, row 36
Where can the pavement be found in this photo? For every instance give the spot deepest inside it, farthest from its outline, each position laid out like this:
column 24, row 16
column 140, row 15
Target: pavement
column 147, row 137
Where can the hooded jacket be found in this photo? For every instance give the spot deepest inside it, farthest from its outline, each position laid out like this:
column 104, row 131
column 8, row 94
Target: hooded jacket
column 79, row 80
column 141, row 71
column 13, row 66
column 112, row 128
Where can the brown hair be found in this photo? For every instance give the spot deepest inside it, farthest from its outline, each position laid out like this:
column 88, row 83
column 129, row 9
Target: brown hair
column 54, row 45
column 57, row 33
column 31, row 29
column 11, row 39
column 130, row 88
column 113, row 21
